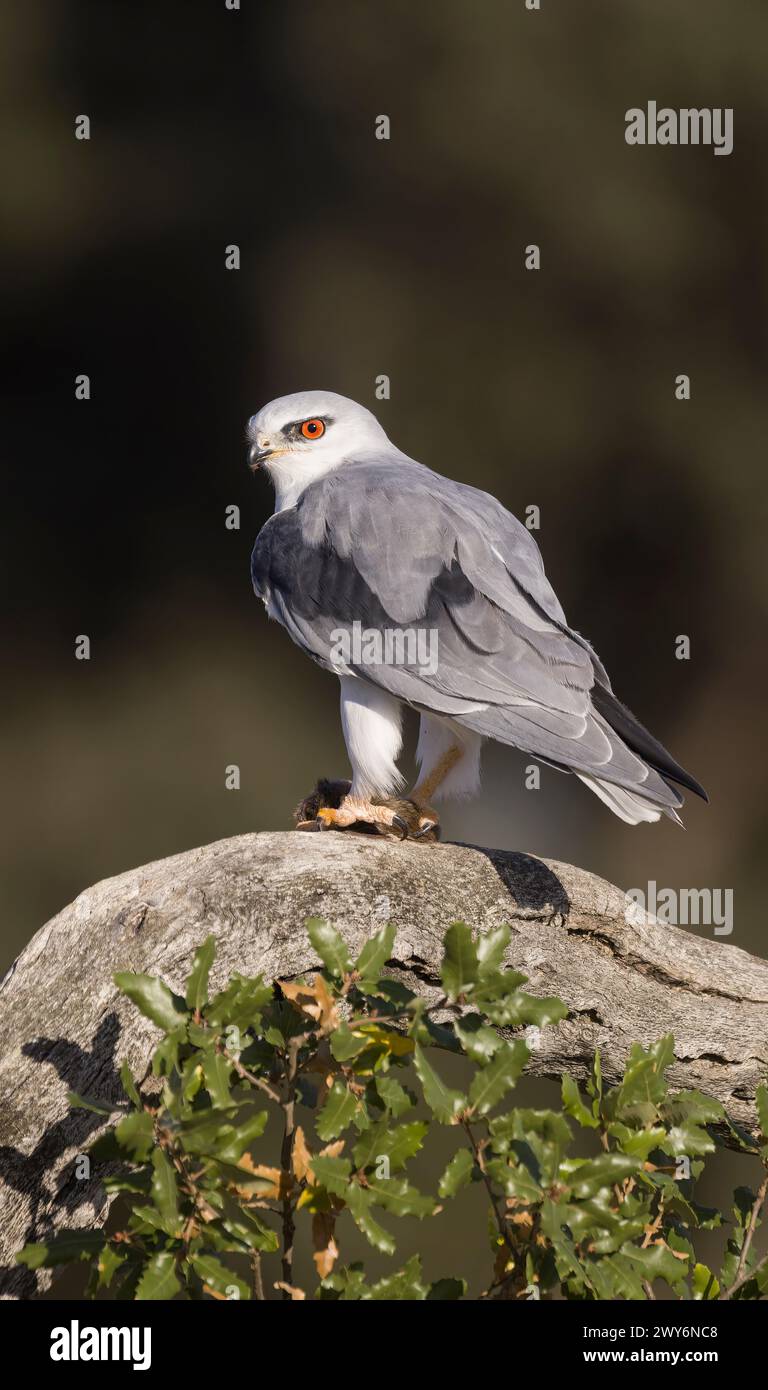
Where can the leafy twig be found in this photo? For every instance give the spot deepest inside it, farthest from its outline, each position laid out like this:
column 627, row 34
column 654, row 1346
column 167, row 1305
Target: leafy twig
column 743, row 1275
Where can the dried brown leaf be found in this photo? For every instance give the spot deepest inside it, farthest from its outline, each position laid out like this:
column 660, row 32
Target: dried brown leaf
column 302, row 1158
column 326, row 1249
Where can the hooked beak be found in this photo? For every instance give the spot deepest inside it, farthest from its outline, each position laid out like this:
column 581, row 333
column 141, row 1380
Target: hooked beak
column 256, row 457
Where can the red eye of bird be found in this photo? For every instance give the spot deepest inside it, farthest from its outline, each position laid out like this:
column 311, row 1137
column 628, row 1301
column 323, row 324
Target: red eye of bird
column 312, row 429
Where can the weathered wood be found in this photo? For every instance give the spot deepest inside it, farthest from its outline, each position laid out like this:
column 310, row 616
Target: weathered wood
column 64, row 1026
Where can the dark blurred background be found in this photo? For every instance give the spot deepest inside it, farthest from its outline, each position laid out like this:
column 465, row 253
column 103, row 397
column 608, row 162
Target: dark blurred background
column 362, row 257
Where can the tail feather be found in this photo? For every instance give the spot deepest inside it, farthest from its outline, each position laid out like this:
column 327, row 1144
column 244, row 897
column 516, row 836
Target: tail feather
column 637, row 737
column 627, row 805
column 607, row 748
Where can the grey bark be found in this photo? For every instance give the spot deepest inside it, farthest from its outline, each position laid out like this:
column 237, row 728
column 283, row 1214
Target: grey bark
column 63, row 1024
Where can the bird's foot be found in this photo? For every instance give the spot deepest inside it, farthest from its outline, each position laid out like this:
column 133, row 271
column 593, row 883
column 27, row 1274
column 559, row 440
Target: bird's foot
column 330, row 807
column 327, row 795
column 414, row 819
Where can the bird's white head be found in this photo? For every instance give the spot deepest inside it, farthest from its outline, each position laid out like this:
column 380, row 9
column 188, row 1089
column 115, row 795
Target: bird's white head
column 299, row 438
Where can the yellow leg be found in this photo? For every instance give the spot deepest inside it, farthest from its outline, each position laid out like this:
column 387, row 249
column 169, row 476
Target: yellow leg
column 353, row 809
column 426, row 788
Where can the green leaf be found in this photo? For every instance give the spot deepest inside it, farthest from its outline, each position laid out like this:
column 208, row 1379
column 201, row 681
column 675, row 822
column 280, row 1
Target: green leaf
column 204, row 1130
column 594, row 1222
column 491, row 947
column 159, row 1279
column 743, row 1205
column 217, row 1071
column 639, row 1143
column 403, row 1142
column 657, row 1262
column 109, row 1262
column 554, row 1224
column 221, row 1133
column 588, row 1177
column 398, row 1144
column 685, row 1114
column 197, row 984
column 574, row 1105
column 245, row 1133
column 329, row 946
column 338, row 1111
column 165, row 1058
column 153, row 998
column 644, row 1076
column 394, row 992
column 191, row 1076
column 693, row 1106
column 217, row 1276
column 614, row 1278
column 333, row 1174
column 129, row 1085
column 346, row 1285
column 457, row 1174
column 705, row 1285
column 62, row 1249
column 688, row 1139
column 498, row 1076
column 238, row 1005
column 359, row 1203
column 405, row 1286
column 146, row 1220
column 705, row 1218
column 200, row 1036
column 135, row 1135
column 165, row 1192
column 595, row 1083
column 346, row 1044
column 478, row 1040
column 397, row 1196
column 137, row 1180
column 431, row 1034
column 375, row 954
column 514, row 1180
column 247, row 1228
column 518, row 1009
column 741, row 1138
column 460, row 967
column 497, row 985
column 446, row 1289
column 98, row 1107
column 444, row 1103
column 532, row 1126
column 395, row 1097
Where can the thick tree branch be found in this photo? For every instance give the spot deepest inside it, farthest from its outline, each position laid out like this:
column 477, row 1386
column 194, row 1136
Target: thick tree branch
column 64, row 1026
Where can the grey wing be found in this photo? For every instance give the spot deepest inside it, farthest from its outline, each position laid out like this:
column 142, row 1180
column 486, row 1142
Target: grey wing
column 390, row 545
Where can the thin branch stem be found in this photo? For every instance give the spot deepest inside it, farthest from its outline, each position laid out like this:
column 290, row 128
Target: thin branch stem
column 743, row 1275
column 286, row 1159
column 745, row 1278
column 257, row 1081
column 478, row 1157
column 258, row 1282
